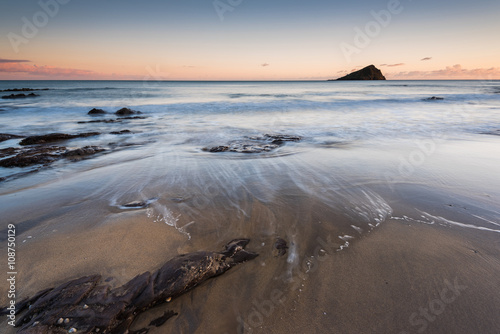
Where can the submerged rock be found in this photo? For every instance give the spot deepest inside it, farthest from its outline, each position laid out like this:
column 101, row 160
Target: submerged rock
column 92, row 306
column 33, row 156
column 43, row 155
column 127, row 111
column 19, row 96
column 7, row 136
column 96, row 111
column 368, row 73
column 434, row 98
column 52, row 137
column 279, row 248
column 23, row 89
column 83, row 151
column 122, row 132
column 266, row 143
column 101, row 121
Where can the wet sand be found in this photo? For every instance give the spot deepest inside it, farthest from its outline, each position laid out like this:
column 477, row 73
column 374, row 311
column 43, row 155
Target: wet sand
column 400, row 277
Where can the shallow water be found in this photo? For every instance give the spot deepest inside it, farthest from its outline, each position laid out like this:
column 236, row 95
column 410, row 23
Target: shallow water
column 370, row 151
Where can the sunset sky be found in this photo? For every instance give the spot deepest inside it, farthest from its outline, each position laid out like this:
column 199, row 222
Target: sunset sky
column 248, row 39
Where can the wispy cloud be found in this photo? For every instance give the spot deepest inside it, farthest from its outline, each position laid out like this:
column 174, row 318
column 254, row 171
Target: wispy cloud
column 426, row 58
column 393, row 65
column 455, row 72
column 3, row 61
column 49, row 71
column 264, row 65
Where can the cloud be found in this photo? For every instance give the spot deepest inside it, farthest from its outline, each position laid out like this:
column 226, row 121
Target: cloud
column 49, row 71
column 393, row 65
column 426, row 58
column 3, row 61
column 455, row 72
column 264, row 65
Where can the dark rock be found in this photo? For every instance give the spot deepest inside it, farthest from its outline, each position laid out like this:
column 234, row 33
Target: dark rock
column 92, row 306
column 367, row 73
column 19, row 96
column 280, row 139
column 127, row 111
column 83, row 151
column 5, row 152
column 101, row 121
column 120, row 132
column 22, row 89
column 493, row 132
column 434, row 98
column 266, row 143
column 95, row 111
column 216, row 149
column 52, row 137
column 43, row 155
column 133, row 117
column 33, row 156
column 279, row 247
column 139, row 204
column 6, row 136
column 136, row 205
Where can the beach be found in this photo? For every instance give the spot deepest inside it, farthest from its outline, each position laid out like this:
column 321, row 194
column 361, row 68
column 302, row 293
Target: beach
column 387, row 201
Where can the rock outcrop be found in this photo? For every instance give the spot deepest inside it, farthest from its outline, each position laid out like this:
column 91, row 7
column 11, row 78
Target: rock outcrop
column 96, row 111
column 266, row 143
column 127, row 111
column 367, row 73
column 23, row 89
column 89, row 305
column 43, row 155
column 53, row 137
column 19, row 96
column 7, row 136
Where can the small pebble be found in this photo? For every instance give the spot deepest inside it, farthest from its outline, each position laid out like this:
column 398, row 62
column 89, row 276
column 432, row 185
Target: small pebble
column 36, row 323
column 72, row 330
column 168, row 299
column 60, row 321
column 66, row 321
column 85, row 306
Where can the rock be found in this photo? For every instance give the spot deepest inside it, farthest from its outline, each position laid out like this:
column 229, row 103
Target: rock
column 22, row 89
column 216, row 149
column 127, row 111
column 367, row 73
column 138, row 204
column 43, row 155
column 6, row 136
column 83, row 151
column 52, row 137
column 120, row 132
column 266, row 143
column 19, row 96
column 95, row 111
column 133, row 117
column 280, row 139
column 4, row 152
column 493, row 133
column 113, row 310
column 434, row 98
column 33, row 156
column 280, row 247
column 102, row 121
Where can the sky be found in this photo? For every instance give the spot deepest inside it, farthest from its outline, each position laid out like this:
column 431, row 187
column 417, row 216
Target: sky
column 248, row 39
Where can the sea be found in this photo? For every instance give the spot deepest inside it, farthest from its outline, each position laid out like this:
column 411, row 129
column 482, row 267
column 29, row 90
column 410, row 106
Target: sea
column 369, row 151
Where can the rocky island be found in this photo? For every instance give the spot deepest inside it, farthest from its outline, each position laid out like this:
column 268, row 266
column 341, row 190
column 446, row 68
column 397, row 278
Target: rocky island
column 368, row 73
